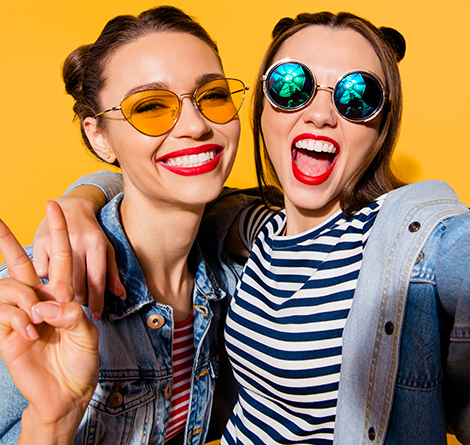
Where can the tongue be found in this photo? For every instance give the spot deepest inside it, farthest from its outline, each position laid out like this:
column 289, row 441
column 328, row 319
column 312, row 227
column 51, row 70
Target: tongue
column 311, row 163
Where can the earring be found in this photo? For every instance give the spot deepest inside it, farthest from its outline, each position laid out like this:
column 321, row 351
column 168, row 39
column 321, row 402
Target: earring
column 108, row 156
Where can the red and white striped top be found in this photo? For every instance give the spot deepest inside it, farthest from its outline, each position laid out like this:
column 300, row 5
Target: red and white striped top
column 183, row 358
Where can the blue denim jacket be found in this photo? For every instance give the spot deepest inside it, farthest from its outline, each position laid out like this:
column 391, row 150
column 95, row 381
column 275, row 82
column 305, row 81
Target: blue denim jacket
column 406, row 348
column 405, row 370
column 132, row 400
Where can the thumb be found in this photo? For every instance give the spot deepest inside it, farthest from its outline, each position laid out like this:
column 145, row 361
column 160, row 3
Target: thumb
column 68, row 315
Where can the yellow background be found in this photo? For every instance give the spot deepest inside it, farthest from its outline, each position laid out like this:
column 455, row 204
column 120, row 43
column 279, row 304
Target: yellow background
column 41, row 149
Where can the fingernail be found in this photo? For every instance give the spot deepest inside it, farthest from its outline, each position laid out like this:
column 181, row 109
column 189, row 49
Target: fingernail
column 32, row 333
column 34, row 316
column 122, row 294
column 96, row 315
column 47, row 309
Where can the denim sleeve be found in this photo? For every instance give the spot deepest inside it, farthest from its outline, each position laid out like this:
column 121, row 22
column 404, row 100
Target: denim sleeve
column 453, row 284
column 12, row 402
column 108, row 182
column 12, row 405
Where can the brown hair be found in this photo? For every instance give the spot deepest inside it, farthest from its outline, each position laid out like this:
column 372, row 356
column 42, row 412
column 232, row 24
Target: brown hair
column 83, row 70
column 375, row 176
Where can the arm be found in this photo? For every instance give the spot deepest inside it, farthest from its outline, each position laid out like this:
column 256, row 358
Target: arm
column 453, row 281
column 246, row 227
column 46, row 341
column 221, row 221
column 93, row 255
column 233, row 244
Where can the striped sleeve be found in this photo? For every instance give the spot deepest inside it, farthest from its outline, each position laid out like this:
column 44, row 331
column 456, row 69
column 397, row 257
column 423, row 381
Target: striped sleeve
column 252, row 220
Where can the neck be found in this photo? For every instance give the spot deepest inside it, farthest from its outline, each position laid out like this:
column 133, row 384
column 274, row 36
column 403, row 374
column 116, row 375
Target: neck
column 300, row 220
column 161, row 236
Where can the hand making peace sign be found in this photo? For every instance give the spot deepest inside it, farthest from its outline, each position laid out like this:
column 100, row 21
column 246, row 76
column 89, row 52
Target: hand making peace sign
column 46, row 340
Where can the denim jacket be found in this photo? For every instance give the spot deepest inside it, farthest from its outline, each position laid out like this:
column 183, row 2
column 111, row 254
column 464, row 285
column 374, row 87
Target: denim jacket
column 405, row 370
column 132, row 400
column 406, row 353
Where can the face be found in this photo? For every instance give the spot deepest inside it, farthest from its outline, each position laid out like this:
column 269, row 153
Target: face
column 314, row 150
column 189, row 164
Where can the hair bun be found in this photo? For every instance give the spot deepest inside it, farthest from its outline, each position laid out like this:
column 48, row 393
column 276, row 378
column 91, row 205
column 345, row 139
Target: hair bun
column 282, row 25
column 395, row 40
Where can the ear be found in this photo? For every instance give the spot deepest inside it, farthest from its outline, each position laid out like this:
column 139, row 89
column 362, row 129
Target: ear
column 98, row 140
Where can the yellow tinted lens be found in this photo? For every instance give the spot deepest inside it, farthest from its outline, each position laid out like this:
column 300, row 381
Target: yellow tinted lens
column 152, row 112
column 219, row 100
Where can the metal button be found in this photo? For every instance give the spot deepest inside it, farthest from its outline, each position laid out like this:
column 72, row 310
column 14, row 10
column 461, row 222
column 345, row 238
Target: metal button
column 168, row 389
column 389, row 328
column 420, row 258
column 371, row 433
column 155, row 321
column 414, row 226
column 115, row 400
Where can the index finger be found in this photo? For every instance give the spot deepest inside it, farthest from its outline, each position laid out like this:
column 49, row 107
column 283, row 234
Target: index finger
column 60, row 270
column 19, row 265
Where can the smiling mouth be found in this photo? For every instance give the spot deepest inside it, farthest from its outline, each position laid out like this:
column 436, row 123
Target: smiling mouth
column 191, row 160
column 313, row 157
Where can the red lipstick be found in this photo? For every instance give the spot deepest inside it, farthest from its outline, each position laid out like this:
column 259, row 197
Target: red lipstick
column 317, row 179
column 179, row 161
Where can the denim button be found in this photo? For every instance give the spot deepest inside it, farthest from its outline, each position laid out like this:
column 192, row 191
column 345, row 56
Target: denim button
column 155, row 321
column 168, row 390
column 414, row 226
column 115, row 400
column 371, row 433
column 389, row 328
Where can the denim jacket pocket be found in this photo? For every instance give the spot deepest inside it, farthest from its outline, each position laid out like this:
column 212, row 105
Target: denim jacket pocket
column 121, row 411
column 116, row 397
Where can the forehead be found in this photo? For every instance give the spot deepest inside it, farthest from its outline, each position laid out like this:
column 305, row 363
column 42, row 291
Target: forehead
column 175, row 60
column 330, row 51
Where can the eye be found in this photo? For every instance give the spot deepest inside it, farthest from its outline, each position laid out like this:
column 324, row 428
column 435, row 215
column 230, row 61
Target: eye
column 151, row 106
column 214, row 97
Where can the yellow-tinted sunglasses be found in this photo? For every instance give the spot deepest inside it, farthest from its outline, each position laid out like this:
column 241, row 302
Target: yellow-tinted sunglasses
column 155, row 112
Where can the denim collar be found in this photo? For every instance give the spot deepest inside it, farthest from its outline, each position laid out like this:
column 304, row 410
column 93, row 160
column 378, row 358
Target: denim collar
column 205, row 286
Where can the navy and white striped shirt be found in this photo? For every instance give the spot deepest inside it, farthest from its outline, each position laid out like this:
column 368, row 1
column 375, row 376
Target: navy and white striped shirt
column 285, row 324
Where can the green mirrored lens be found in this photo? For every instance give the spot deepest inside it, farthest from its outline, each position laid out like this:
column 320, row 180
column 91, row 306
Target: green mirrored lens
column 358, row 96
column 290, row 85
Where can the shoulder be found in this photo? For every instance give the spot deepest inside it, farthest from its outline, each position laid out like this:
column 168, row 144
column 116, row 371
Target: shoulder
column 422, row 192
column 426, row 203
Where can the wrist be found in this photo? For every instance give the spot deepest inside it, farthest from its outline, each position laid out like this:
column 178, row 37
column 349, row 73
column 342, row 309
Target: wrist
column 35, row 429
column 87, row 197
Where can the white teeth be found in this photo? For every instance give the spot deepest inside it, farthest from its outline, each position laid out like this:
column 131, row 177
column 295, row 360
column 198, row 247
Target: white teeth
column 318, row 146
column 191, row 160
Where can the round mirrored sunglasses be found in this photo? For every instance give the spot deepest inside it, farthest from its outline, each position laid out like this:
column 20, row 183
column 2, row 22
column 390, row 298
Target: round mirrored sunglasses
column 358, row 95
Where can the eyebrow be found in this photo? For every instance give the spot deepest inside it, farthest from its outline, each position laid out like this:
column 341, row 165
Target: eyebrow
column 164, row 86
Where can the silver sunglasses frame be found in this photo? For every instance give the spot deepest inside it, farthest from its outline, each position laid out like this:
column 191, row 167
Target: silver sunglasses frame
column 385, row 96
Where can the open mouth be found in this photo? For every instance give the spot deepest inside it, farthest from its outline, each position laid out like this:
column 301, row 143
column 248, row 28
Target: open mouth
column 313, row 160
column 192, row 161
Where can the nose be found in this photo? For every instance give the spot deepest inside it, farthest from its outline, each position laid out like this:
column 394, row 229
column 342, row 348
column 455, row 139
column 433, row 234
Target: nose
column 191, row 123
column 321, row 111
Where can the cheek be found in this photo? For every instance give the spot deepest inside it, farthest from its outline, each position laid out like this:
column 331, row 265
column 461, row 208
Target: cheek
column 362, row 137
column 275, row 133
column 233, row 133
